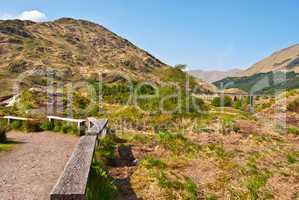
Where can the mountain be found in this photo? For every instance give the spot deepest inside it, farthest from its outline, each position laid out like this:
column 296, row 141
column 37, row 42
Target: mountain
column 72, row 49
column 285, row 59
column 280, row 71
column 214, row 75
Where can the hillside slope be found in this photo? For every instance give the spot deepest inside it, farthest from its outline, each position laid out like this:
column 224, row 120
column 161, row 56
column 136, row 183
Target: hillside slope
column 280, row 71
column 74, row 49
column 67, row 43
column 285, row 59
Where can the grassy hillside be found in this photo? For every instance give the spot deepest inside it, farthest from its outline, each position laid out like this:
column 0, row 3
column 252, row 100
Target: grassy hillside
column 72, row 50
column 265, row 83
column 284, row 59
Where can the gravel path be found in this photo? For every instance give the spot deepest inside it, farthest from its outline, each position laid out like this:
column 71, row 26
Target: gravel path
column 32, row 168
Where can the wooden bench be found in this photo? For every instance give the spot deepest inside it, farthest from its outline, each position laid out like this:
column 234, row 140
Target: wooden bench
column 78, row 121
column 73, row 182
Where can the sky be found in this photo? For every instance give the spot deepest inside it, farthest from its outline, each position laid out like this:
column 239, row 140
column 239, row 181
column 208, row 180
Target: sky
column 204, row 34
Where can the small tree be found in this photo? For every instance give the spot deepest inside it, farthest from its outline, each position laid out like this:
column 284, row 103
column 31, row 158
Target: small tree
column 181, row 67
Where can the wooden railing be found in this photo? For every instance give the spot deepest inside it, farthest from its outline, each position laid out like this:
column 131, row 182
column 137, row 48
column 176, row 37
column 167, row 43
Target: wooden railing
column 73, row 182
column 78, row 121
column 9, row 118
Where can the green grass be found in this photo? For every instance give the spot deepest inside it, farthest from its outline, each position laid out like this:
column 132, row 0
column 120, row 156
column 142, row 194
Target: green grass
column 254, row 183
column 186, row 187
column 100, row 186
column 106, row 148
column 8, row 145
column 292, row 157
column 5, row 146
column 211, row 197
column 177, row 144
column 150, row 162
column 293, row 130
column 219, row 151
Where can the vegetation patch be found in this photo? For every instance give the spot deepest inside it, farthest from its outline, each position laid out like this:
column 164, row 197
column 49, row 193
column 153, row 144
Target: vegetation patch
column 177, row 144
column 100, row 186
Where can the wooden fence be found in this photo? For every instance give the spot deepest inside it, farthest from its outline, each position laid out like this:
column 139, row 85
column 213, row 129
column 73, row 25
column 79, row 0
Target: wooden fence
column 73, row 182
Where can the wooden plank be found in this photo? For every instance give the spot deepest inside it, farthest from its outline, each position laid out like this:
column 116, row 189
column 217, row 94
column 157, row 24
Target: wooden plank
column 17, row 118
column 67, row 119
column 98, row 126
column 73, row 181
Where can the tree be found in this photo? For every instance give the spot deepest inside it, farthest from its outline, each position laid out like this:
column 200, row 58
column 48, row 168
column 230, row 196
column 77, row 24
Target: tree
column 181, row 67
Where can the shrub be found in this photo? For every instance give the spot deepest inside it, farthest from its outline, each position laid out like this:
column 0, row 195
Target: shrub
column 293, row 130
column 238, row 104
column 3, row 131
column 100, row 185
column 57, row 126
column 47, row 126
column 293, row 106
column 107, row 148
column 16, row 125
column 69, row 128
column 27, row 100
column 292, row 158
column 227, row 101
column 32, row 126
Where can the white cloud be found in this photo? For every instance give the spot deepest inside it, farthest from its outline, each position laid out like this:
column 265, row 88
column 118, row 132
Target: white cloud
column 33, row 15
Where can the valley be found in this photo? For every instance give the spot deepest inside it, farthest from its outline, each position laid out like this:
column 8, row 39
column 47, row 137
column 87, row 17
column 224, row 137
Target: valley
column 163, row 141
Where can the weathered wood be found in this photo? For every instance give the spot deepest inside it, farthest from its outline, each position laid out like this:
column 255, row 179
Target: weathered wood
column 96, row 126
column 73, row 181
column 67, row 119
column 78, row 121
column 17, row 118
column 9, row 118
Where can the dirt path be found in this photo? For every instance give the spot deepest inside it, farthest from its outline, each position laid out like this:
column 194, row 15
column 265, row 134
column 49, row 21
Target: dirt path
column 32, row 168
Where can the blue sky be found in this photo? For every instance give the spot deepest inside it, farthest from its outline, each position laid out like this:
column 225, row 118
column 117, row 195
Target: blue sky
column 210, row 34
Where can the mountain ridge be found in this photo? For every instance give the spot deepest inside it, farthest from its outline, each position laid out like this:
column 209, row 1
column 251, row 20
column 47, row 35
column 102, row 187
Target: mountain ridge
column 75, row 48
column 214, row 75
column 283, row 59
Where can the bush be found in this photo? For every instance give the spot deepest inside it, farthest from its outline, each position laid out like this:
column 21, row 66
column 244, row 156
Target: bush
column 32, row 126
column 293, row 106
column 227, row 101
column 100, row 185
column 68, row 128
column 3, row 131
column 57, row 126
column 47, row 126
column 16, row 125
column 293, row 130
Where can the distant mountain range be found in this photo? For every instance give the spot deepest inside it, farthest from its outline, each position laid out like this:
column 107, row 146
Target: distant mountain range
column 277, row 72
column 214, row 75
column 286, row 59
